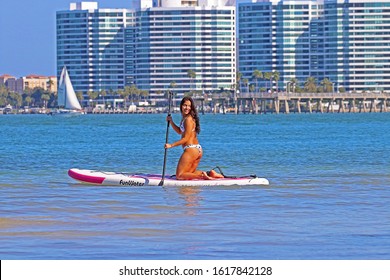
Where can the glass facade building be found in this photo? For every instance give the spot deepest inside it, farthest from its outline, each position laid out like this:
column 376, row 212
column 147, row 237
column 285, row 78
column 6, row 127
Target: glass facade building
column 151, row 47
column 90, row 42
column 345, row 41
column 171, row 42
column 156, row 45
column 357, row 44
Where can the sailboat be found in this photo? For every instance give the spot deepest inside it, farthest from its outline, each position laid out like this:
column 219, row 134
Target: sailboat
column 68, row 104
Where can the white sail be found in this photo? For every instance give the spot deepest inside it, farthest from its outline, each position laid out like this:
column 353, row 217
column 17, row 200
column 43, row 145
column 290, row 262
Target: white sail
column 61, row 89
column 66, row 96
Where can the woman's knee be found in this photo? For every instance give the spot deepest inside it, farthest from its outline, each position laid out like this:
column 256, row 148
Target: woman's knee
column 180, row 176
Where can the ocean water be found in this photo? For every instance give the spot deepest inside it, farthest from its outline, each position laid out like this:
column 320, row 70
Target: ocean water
column 328, row 198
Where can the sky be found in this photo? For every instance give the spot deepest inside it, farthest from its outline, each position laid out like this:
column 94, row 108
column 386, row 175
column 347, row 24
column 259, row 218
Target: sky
column 28, row 34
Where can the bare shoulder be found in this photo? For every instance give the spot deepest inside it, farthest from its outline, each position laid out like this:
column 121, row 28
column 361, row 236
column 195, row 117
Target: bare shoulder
column 189, row 118
column 189, row 121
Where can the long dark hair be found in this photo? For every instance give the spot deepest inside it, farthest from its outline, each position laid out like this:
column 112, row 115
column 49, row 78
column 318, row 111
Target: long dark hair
column 193, row 112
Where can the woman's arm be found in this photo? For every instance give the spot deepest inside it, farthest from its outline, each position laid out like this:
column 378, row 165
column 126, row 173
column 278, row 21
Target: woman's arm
column 174, row 126
column 189, row 126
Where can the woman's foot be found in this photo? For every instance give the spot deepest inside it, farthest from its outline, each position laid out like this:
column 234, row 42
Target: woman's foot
column 205, row 176
column 214, row 174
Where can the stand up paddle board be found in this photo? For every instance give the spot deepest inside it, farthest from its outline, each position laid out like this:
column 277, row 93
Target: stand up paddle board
column 96, row 177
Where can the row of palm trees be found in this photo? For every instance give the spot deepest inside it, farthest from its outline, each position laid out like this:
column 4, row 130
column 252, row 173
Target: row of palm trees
column 128, row 93
column 39, row 97
column 310, row 85
column 44, row 98
column 30, row 97
column 270, row 79
column 257, row 75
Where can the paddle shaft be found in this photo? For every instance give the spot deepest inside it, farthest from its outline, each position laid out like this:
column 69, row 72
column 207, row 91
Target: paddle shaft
column 166, row 141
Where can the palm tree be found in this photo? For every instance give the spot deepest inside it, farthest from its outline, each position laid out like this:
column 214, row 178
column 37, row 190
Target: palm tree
column 95, row 94
column 245, row 82
column 131, row 91
column 311, row 85
column 294, row 83
column 14, row 98
column 172, row 85
column 192, row 75
column 92, row 95
column 276, row 77
column 103, row 93
column 45, row 97
column 50, row 85
column 257, row 74
column 4, row 92
column 144, row 94
column 27, row 100
column 327, row 85
column 238, row 81
column 122, row 94
column 29, row 93
column 268, row 76
column 252, row 88
column 80, row 95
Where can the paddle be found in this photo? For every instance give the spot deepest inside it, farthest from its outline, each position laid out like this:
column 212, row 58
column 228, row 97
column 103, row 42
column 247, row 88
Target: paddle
column 166, row 139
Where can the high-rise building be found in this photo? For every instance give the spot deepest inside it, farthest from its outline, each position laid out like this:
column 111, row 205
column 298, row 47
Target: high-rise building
column 90, row 43
column 179, row 38
column 154, row 46
column 345, row 41
column 357, row 44
column 278, row 36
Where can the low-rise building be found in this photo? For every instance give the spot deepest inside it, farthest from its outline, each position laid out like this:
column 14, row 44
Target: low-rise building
column 8, row 81
column 29, row 82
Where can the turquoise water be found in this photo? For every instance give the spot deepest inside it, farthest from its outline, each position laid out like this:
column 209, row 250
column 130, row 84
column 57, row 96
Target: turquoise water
column 329, row 195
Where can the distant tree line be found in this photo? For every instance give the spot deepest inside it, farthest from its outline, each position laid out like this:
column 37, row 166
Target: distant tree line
column 259, row 82
column 38, row 97
column 270, row 83
column 263, row 82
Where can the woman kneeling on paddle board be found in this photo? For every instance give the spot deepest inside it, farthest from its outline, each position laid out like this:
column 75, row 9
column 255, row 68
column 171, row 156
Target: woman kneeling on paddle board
column 192, row 152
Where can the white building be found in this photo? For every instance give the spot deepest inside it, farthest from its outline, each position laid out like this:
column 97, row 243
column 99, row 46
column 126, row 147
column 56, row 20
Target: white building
column 179, row 37
column 90, row 43
column 153, row 46
column 346, row 41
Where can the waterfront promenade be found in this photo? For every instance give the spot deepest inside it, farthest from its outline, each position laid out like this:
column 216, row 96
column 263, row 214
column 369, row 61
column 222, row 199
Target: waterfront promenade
column 283, row 102
column 261, row 103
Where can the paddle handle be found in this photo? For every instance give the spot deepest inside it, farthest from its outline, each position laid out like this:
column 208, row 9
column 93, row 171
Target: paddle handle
column 165, row 155
column 166, row 140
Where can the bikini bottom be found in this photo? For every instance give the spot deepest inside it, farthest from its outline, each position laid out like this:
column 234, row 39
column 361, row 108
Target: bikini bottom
column 197, row 146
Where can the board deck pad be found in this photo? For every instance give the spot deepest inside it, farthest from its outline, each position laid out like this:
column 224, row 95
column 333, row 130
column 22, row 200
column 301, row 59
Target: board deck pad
column 96, row 177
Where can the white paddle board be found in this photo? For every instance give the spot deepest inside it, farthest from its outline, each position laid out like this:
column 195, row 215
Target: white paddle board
column 103, row 178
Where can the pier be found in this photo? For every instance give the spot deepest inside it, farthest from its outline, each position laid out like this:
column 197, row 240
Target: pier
column 286, row 103
column 259, row 103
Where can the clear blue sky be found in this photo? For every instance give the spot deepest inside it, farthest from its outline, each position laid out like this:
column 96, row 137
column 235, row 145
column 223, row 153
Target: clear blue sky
column 28, row 31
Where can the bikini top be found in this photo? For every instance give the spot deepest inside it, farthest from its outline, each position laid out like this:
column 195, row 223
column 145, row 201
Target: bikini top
column 182, row 128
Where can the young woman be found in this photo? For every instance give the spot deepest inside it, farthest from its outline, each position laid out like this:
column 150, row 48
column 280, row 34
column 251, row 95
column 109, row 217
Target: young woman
column 192, row 152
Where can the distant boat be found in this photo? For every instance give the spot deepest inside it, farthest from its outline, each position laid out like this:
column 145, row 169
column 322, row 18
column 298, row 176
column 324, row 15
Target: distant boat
column 68, row 104
column 7, row 109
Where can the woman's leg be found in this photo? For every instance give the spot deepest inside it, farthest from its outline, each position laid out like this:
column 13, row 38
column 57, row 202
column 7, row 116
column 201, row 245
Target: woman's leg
column 214, row 174
column 189, row 161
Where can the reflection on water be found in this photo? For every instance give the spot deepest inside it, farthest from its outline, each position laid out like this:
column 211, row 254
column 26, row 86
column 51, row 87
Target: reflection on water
column 192, row 198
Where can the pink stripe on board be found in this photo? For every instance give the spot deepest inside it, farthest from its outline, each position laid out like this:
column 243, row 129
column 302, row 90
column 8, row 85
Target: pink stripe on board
column 85, row 178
